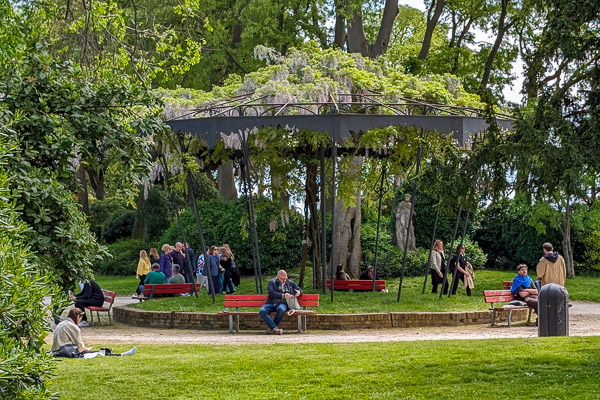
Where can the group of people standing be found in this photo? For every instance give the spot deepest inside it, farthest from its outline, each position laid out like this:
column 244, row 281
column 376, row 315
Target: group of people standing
column 178, row 264
column 458, row 266
column 174, row 265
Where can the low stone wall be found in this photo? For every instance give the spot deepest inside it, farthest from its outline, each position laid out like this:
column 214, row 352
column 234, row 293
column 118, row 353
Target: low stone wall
column 211, row 321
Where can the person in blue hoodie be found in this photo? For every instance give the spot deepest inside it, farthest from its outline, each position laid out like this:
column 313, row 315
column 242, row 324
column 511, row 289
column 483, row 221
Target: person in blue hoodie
column 523, row 288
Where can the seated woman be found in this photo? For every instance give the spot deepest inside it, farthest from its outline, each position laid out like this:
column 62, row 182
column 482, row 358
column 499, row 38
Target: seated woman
column 67, row 336
column 340, row 274
column 524, row 289
column 91, row 295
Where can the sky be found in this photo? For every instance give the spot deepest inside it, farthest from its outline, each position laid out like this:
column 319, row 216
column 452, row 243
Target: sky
column 511, row 94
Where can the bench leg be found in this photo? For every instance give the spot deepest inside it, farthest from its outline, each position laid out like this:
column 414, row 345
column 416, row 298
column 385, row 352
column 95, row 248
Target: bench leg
column 529, row 316
column 98, row 314
column 509, row 317
column 231, row 324
column 109, row 319
column 92, row 316
column 237, row 321
column 299, row 323
column 493, row 317
column 305, row 328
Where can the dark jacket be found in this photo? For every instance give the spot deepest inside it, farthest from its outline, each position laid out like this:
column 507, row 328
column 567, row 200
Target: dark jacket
column 165, row 265
column 91, row 291
column 178, row 259
column 276, row 292
column 212, row 262
column 226, row 264
column 191, row 255
column 462, row 261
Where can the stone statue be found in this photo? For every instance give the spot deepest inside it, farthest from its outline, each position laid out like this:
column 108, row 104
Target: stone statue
column 402, row 216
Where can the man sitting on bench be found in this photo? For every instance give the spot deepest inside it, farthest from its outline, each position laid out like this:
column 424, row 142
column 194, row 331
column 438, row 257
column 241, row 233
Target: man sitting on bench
column 279, row 289
column 524, row 289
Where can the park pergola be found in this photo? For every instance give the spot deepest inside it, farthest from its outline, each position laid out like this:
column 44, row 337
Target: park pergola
column 340, row 118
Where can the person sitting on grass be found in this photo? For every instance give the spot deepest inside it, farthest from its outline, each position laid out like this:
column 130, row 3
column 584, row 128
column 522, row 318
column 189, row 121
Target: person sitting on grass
column 279, row 289
column 523, row 288
column 67, row 336
column 176, row 278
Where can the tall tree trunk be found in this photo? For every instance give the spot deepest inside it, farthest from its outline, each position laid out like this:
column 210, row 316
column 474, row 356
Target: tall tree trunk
column 340, row 25
column 97, row 183
column 314, row 235
column 433, row 16
column 347, row 222
column 565, row 229
column 357, row 41
column 82, row 193
column 502, row 28
column 139, row 222
column 226, row 181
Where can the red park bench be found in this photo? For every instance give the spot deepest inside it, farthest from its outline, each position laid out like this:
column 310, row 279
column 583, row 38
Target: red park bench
column 166, row 288
column 109, row 297
column 257, row 301
column 503, row 296
column 356, row 285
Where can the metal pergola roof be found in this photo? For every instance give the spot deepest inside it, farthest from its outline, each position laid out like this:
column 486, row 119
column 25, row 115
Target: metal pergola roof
column 350, row 114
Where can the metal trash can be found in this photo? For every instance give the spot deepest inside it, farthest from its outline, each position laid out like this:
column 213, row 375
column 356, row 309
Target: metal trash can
column 553, row 311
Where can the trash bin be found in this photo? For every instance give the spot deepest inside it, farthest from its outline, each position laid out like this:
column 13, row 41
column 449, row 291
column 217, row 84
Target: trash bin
column 553, row 311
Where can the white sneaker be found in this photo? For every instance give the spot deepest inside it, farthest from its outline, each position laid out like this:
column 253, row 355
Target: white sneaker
column 83, row 324
column 130, row 352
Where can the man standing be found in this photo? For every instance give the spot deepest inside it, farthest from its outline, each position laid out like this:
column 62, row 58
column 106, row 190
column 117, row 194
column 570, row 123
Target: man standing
column 279, row 289
column 212, row 265
column 551, row 267
column 191, row 256
column 179, row 258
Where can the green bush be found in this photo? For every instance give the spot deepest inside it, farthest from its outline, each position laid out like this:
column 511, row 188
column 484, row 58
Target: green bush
column 507, row 237
column 119, row 224
column 226, row 222
column 125, row 256
column 100, row 210
column 155, row 213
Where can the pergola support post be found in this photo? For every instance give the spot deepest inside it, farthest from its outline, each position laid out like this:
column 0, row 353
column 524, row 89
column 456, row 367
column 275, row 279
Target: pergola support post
column 437, row 215
column 323, row 227
column 462, row 238
column 332, row 257
column 410, row 216
column 380, row 190
column 445, row 281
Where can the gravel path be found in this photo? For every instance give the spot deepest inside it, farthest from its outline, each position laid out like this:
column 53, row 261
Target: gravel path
column 584, row 320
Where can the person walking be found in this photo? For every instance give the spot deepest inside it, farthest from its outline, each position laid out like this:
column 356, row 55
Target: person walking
column 461, row 270
column 142, row 270
column 438, row 267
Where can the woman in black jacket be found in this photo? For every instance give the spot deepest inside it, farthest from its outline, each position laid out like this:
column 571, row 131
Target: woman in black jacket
column 91, row 295
column 226, row 264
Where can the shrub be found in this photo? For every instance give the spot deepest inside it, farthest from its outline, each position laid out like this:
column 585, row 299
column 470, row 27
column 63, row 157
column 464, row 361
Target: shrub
column 125, row 256
column 507, row 237
column 119, row 224
column 99, row 213
column 226, row 222
column 155, row 212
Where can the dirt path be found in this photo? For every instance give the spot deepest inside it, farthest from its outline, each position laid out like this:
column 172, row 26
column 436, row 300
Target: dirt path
column 584, row 320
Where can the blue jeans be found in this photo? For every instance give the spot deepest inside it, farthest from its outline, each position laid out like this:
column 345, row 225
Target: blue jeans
column 267, row 309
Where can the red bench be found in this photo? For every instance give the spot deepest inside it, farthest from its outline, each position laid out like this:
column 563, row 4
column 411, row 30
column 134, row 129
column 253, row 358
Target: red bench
column 257, row 300
column 109, row 297
column 356, row 285
column 503, row 296
column 167, row 288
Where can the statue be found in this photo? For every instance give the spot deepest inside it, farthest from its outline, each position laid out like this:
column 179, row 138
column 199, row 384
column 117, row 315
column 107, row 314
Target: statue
column 402, row 216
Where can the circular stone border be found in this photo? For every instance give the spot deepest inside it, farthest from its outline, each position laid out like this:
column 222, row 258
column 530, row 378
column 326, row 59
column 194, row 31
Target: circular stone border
column 213, row 321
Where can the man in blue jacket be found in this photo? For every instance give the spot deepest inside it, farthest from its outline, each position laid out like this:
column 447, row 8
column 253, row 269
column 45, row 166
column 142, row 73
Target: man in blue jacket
column 279, row 289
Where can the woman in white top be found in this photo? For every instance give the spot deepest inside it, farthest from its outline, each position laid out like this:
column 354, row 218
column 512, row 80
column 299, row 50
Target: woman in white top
column 67, row 333
column 438, row 266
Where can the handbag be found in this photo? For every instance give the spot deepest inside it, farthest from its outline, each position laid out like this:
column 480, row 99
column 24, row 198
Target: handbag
column 68, row 350
column 293, row 304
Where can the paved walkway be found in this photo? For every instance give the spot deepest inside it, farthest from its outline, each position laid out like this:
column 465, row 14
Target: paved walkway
column 584, row 321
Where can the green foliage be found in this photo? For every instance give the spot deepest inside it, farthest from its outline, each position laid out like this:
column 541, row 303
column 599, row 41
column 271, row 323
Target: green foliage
column 226, row 222
column 125, row 256
column 100, row 211
column 118, row 224
column 25, row 280
column 508, row 237
column 155, row 213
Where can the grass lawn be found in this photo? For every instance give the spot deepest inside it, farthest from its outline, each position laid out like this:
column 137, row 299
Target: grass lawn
column 547, row 368
column 580, row 288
